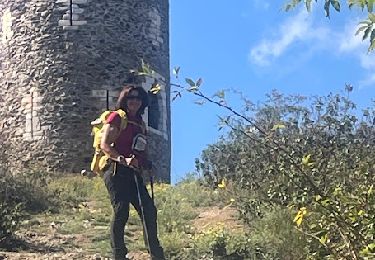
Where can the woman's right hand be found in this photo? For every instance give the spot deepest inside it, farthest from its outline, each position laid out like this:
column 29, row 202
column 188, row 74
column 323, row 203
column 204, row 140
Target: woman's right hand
column 121, row 159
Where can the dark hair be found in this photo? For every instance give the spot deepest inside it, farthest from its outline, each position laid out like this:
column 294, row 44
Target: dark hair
column 121, row 101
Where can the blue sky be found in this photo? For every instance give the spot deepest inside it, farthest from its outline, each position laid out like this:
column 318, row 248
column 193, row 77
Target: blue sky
column 253, row 46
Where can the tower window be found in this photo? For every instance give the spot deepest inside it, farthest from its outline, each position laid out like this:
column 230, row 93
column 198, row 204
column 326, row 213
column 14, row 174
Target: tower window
column 153, row 111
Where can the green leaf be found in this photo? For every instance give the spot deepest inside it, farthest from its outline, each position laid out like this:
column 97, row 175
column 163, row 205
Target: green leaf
column 365, row 251
column 199, row 102
column 370, row 6
column 361, row 29
column 371, row 17
column 372, row 37
column 372, row 46
column 326, row 7
column 372, row 41
column 348, row 87
column 336, row 5
column 292, row 4
column 199, row 82
column 220, row 94
column 278, row 126
column 371, row 190
column 176, row 70
column 300, row 215
column 190, row 82
column 323, row 239
column 145, row 67
column 367, row 22
column 308, row 5
column 178, row 94
column 366, row 33
column 306, row 159
column 193, row 89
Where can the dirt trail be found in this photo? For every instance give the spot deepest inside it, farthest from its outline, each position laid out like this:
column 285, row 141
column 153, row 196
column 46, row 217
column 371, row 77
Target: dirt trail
column 53, row 246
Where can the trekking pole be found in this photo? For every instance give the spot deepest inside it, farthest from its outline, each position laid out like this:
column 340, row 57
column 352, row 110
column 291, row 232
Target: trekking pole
column 152, row 187
column 145, row 232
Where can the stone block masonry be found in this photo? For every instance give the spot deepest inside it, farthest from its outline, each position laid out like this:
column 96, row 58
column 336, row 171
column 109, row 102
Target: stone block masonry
column 58, row 57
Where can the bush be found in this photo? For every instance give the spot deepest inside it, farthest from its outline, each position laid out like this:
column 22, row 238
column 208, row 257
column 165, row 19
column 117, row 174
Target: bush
column 195, row 193
column 21, row 195
column 174, row 210
column 72, row 190
column 35, row 192
column 275, row 236
column 315, row 158
column 10, row 217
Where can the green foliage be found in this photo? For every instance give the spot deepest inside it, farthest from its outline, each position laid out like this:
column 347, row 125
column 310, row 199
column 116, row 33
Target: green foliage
column 10, row 217
column 315, row 155
column 86, row 212
column 21, row 195
column 73, row 190
column 275, row 236
column 176, row 210
column 176, row 204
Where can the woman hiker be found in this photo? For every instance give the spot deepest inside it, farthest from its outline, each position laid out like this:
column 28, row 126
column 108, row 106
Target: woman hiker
column 126, row 160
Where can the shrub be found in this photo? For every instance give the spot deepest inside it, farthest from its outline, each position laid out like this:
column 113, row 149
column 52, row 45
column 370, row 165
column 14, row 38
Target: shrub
column 10, row 217
column 72, row 190
column 313, row 157
column 19, row 196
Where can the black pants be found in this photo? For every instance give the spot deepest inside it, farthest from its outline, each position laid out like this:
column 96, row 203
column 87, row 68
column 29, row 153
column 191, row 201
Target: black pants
column 122, row 189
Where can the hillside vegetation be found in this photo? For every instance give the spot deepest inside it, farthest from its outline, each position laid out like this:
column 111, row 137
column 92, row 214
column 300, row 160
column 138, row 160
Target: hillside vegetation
column 293, row 179
column 68, row 217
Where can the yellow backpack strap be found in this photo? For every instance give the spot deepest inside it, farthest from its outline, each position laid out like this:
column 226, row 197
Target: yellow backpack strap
column 124, row 118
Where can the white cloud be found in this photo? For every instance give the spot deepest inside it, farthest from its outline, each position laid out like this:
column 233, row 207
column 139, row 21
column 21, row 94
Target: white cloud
column 302, row 29
column 348, row 40
column 352, row 44
column 294, row 29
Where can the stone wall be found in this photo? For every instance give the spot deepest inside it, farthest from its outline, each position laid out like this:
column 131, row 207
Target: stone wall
column 58, row 60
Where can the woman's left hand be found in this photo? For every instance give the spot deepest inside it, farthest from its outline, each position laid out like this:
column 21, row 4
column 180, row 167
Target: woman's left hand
column 132, row 162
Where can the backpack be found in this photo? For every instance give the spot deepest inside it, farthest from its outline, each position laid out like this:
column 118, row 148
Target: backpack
column 100, row 159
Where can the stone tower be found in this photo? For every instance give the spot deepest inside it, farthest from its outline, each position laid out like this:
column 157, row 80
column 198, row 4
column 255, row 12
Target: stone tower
column 63, row 62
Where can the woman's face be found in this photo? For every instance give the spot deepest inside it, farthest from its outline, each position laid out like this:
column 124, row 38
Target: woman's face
column 133, row 102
